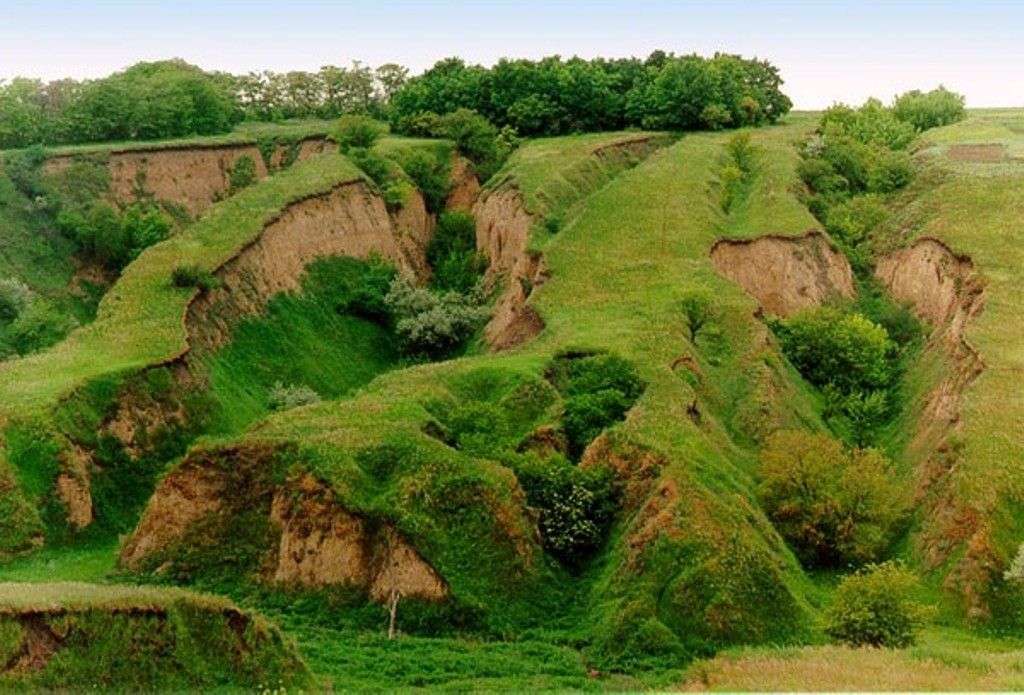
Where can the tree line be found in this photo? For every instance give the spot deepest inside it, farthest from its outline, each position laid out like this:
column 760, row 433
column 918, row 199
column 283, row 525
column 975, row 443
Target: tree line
column 551, row 96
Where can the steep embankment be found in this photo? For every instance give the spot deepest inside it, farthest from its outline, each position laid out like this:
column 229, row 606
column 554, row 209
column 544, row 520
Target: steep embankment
column 785, row 274
column 56, row 637
column 258, row 243
column 191, row 176
column 963, row 250
column 506, row 215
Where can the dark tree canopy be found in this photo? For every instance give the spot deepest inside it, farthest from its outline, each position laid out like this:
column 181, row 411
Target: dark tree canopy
column 553, row 96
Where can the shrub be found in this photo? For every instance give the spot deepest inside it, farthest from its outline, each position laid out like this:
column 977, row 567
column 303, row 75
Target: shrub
column 851, row 221
column 730, row 180
column 282, row 397
column 194, row 276
column 14, row 298
column 364, row 286
column 112, row 239
column 243, row 174
column 475, row 138
column 592, row 373
column 696, row 306
column 875, row 607
column 932, row 109
column 600, row 390
column 553, row 223
column 429, row 171
column 452, row 254
column 588, row 414
column 478, row 428
column 829, row 346
column 742, row 151
column 819, row 174
column 38, row 326
column 432, row 324
column 577, row 506
column 376, row 166
column 889, row 171
column 357, row 132
column 832, row 506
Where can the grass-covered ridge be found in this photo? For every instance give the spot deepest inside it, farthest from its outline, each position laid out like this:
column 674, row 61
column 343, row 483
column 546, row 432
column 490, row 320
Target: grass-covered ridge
column 969, row 481
column 140, row 321
column 61, row 635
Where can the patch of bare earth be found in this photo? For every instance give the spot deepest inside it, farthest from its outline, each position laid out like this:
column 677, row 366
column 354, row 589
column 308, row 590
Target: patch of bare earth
column 323, row 544
column 945, row 290
column 785, row 274
column 991, row 152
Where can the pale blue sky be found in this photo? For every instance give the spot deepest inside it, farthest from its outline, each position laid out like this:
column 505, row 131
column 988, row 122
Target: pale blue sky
column 827, row 51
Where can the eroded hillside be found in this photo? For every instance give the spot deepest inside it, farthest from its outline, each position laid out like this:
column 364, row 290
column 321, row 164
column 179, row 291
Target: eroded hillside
column 432, row 494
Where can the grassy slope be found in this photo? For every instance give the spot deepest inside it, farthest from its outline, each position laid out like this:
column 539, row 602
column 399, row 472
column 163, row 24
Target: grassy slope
column 140, row 320
column 976, row 210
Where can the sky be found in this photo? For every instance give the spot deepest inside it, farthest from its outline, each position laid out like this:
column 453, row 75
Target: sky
column 827, row 51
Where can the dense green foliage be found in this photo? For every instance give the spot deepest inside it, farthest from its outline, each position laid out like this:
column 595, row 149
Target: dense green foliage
column 356, row 131
column 429, row 170
column 600, row 389
column 330, row 92
column 146, row 101
column 194, row 276
column 859, row 156
column 851, row 359
column 834, row 507
column 456, row 264
column 832, row 347
column 553, row 96
column 933, row 109
column 876, row 607
column 114, row 239
column 577, row 506
column 433, row 324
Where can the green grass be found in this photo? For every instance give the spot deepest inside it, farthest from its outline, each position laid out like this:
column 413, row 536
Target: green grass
column 300, row 340
column 75, row 635
column 85, row 563
column 246, row 133
column 943, row 660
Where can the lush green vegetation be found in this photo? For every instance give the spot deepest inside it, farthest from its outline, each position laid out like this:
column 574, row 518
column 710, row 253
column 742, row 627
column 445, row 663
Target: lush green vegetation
column 552, row 96
column 876, row 607
column 53, row 635
column 146, row 101
column 834, row 507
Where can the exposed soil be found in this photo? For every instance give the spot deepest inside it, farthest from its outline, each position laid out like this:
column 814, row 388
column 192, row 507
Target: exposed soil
column 192, row 177
column 945, row 291
column 992, row 152
column 465, row 186
column 74, row 487
column 502, row 233
column 39, row 642
column 183, row 498
column 322, row 543
column 785, row 274
column 350, row 220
